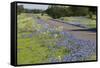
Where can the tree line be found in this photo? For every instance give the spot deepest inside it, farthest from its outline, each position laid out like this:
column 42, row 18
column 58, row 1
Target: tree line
column 56, row 11
column 21, row 9
column 63, row 11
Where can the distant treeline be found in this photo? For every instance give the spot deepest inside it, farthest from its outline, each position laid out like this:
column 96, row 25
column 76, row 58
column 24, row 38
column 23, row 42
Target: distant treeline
column 56, row 11
column 21, row 9
column 62, row 11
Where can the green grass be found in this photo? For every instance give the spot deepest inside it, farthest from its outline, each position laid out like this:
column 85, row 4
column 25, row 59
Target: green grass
column 32, row 50
column 45, row 17
column 90, row 23
column 25, row 23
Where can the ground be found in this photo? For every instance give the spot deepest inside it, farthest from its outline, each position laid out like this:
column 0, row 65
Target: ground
column 42, row 39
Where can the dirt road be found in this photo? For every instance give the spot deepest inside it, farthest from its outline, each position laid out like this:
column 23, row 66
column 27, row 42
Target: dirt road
column 78, row 32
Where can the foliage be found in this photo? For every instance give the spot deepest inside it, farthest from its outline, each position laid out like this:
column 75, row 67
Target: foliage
column 78, row 11
column 33, row 50
column 56, row 11
column 20, row 9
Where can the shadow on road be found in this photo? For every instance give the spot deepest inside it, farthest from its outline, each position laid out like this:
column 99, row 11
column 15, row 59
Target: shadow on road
column 90, row 30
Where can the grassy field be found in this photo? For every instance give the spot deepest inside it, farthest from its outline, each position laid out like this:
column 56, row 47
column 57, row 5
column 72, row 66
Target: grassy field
column 37, row 44
column 44, row 17
column 90, row 23
column 35, row 48
column 87, row 22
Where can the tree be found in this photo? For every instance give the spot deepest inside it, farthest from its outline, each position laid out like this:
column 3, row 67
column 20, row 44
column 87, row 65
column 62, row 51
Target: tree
column 20, row 9
column 78, row 11
column 92, row 11
column 57, row 11
column 37, row 10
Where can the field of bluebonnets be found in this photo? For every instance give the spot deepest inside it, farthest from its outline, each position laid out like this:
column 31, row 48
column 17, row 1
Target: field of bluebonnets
column 42, row 42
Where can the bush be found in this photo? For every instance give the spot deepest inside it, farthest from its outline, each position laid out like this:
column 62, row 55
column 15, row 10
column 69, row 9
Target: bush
column 56, row 11
column 62, row 11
